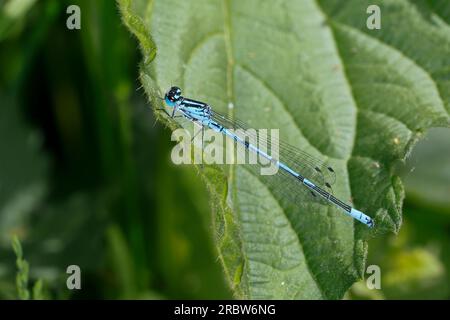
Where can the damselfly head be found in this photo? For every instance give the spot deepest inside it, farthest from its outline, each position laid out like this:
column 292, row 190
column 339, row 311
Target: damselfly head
column 172, row 96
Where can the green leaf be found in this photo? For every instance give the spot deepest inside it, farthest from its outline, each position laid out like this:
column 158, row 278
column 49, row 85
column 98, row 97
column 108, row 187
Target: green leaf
column 137, row 26
column 358, row 98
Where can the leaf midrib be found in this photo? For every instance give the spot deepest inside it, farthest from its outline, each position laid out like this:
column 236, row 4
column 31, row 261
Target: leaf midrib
column 230, row 95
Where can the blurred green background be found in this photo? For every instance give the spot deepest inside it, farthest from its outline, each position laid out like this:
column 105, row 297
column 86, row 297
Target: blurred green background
column 86, row 176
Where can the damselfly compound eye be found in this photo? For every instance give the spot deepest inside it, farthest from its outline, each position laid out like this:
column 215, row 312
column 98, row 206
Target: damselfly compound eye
column 173, row 94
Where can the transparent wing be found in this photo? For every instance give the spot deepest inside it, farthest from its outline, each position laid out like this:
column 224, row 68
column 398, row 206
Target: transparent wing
column 283, row 185
column 286, row 187
column 310, row 167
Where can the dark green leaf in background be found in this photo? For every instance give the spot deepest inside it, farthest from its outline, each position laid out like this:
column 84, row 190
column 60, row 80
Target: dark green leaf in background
column 428, row 181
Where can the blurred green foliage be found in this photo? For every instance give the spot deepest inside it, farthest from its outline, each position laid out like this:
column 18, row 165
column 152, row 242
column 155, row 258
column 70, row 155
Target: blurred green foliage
column 85, row 176
column 416, row 263
column 85, row 171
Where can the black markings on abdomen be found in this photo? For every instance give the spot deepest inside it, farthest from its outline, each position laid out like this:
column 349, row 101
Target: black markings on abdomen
column 338, row 202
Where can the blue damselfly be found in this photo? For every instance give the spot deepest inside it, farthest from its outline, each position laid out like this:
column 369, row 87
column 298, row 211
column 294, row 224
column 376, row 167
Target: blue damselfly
column 298, row 171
